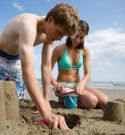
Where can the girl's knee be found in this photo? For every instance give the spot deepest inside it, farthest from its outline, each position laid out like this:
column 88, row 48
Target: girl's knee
column 93, row 102
column 90, row 102
column 103, row 102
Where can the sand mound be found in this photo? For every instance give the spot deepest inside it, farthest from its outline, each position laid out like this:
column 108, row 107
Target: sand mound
column 20, row 119
column 80, row 121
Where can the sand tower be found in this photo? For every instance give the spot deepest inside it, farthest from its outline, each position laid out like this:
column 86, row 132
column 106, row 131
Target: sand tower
column 9, row 106
column 114, row 111
column 11, row 102
column 2, row 109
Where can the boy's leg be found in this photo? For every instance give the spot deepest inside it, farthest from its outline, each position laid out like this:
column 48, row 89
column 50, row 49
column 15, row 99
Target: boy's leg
column 15, row 73
column 3, row 69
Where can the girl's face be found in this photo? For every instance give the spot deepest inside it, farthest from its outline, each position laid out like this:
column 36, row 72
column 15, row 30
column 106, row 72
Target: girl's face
column 78, row 39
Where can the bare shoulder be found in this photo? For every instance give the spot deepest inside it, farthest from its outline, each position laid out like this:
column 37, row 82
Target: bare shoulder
column 60, row 48
column 25, row 19
column 58, row 51
column 86, row 51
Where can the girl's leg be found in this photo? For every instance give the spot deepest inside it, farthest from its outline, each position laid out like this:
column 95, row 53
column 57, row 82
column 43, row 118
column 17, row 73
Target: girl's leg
column 102, row 98
column 88, row 100
column 60, row 97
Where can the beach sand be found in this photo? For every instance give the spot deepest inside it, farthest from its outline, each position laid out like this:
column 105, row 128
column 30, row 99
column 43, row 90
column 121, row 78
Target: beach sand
column 80, row 121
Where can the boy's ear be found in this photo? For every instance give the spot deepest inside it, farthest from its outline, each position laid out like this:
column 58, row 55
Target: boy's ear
column 50, row 19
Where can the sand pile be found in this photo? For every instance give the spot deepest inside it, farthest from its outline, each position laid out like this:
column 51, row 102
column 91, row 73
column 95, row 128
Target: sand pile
column 80, row 121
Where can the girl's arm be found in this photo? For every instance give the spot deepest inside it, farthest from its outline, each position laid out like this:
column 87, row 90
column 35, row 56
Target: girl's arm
column 86, row 61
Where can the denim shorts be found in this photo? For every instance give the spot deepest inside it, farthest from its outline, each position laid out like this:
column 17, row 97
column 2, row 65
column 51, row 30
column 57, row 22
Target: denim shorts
column 10, row 69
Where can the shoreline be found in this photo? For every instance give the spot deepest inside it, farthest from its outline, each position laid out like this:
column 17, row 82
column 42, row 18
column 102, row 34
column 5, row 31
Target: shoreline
column 113, row 93
column 110, row 92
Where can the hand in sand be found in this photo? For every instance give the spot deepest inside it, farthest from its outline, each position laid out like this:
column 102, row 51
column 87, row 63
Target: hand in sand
column 55, row 121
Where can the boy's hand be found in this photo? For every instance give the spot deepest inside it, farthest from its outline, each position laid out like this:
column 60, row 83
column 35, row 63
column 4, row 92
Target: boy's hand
column 55, row 121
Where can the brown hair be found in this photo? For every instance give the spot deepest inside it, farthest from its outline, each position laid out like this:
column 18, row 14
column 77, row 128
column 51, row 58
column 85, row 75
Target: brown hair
column 83, row 26
column 65, row 16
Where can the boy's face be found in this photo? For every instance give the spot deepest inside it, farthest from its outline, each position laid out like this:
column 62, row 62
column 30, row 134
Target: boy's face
column 53, row 31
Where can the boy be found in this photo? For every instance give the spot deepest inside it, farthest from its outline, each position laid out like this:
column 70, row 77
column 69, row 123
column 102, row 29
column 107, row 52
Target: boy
column 17, row 41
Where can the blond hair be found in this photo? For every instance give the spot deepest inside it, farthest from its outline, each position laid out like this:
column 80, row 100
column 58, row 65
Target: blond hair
column 66, row 16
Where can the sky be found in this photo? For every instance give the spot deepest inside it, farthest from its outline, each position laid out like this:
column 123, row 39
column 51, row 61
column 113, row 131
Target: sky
column 106, row 38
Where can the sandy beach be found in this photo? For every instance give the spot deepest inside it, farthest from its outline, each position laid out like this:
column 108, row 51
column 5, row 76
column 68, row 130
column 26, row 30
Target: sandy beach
column 80, row 121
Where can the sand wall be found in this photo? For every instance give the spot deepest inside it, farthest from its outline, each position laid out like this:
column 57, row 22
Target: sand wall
column 9, row 106
column 11, row 102
column 2, row 109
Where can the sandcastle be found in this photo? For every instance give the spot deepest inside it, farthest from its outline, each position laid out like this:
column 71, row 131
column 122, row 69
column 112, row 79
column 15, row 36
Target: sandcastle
column 2, row 110
column 114, row 111
column 122, row 101
column 9, row 106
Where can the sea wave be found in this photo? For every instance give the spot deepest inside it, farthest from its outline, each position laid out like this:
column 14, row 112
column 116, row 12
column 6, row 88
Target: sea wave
column 104, row 84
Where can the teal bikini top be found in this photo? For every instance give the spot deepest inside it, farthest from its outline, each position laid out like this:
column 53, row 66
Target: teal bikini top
column 65, row 64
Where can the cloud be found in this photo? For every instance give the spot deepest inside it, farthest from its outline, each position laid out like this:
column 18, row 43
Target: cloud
column 17, row 5
column 107, row 47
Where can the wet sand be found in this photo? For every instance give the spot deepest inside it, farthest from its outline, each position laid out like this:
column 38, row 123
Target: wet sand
column 80, row 121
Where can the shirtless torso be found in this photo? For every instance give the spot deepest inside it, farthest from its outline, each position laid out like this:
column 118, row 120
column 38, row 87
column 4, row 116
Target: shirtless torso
column 9, row 39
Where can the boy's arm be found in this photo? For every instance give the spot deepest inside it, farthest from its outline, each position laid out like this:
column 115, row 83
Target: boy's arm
column 55, row 57
column 46, row 69
column 27, row 36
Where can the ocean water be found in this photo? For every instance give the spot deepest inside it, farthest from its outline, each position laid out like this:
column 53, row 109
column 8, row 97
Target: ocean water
column 110, row 84
column 104, row 84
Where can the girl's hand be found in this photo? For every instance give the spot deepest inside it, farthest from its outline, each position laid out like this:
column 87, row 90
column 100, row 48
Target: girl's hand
column 80, row 89
column 58, row 87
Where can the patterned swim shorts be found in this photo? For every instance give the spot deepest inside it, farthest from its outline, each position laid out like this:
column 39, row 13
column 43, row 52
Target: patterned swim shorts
column 10, row 69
